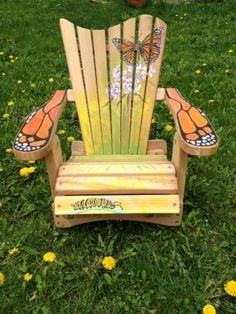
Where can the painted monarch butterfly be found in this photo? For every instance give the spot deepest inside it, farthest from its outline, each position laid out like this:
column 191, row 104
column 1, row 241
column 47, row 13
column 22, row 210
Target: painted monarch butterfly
column 194, row 125
column 149, row 51
column 36, row 132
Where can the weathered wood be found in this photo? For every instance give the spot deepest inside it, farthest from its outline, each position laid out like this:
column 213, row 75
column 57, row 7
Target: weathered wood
column 116, row 204
column 53, row 162
column 100, row 57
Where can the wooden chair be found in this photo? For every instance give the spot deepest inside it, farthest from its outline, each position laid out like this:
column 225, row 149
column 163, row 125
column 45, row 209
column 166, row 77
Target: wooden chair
column 116, row 172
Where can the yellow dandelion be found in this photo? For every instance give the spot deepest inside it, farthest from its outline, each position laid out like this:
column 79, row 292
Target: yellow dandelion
column 10, row 103
column 230, row 288
column 28, row 276
column 196, row 91
column 109, row 262
column 198, row 72
column 204, row 65
column 31, row 161
column 2, row 278
column 51, row 80
column 176, row 15
column 60, row 132
column 1, row 53
column 185, row 14
column 31, row 169
column 19, row 82
column 23, row 91
column 12, row 60
column 168, row 128
column 3, row 74
column 1, row 203
column 227, row 71
column 211, row 101
column 11, row 57
column 70, row 138
column 1, row 169
column 153, row 120
column 14, row 251
column 230, row 51
column 16, row 58
column 8, row 150
column 24, row 172
column 209, row 309
column 5, row 115
column 181, row 18
column 33, row 85
column 49, row 257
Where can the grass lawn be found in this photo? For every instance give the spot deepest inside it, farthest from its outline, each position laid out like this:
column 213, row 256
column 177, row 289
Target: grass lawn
column 160, row 270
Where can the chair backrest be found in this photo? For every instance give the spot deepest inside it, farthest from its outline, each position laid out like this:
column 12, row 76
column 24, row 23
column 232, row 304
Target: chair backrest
column 114, row 75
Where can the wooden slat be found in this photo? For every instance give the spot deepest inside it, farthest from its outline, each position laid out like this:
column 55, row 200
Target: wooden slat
column 99, row 43
column 72, row 56
column 76, row 159
column 91, row 169
column 127, row 81
column 115, row 62
column 151, row 90
column 119, row 158
column 162, row 184
column 145, row 28
column 86, row 52
column 117, row 204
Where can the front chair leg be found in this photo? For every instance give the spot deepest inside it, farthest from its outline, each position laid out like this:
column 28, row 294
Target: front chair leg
column 180, row 160
column 53, row 162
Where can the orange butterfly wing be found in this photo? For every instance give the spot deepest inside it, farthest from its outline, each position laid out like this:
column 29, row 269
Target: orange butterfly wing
column 37, row 130
column 150, row 51
column 194, row 125
column 126, row 48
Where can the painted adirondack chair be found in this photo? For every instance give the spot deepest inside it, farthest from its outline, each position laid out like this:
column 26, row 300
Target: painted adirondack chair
column 116, row 172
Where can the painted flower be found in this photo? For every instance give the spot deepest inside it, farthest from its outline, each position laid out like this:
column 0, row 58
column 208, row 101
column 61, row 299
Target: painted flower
column 209, row 309
column 168, row 128
column 109, row 262
column 14, row 251
column 70, row 139
column 28, row 277
column 10, row 103
column 51, row 80
column 5, row 115
column 230, row 288
column 49, row 257
column 8, row 150
column 2, row 278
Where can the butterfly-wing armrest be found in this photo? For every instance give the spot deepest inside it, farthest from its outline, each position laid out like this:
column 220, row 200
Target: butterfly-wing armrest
column 197, row 136
column 35, row 138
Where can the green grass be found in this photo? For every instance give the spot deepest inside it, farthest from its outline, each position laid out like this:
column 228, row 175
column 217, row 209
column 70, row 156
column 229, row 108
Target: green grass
column 159, row 269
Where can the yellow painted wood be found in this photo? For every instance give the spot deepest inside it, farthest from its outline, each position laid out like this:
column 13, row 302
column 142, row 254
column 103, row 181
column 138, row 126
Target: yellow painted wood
column 90, row 85
column 121, row 184
column 145, row 28
column 115, row 62
column 118, row 158
column 100, row 57
column 151, row 91
column 116, row 204
column 73, row 61
column 108, row 169
column 126, row 102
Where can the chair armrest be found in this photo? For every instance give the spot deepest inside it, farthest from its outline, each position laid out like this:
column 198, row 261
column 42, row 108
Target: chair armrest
column 35, row 138
column 197, row 136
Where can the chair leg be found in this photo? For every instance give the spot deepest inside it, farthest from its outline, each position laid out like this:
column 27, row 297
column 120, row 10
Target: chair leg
column 180, row 160
column 53, row 162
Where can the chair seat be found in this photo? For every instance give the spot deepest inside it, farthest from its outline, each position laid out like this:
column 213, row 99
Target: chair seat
column 116, row 184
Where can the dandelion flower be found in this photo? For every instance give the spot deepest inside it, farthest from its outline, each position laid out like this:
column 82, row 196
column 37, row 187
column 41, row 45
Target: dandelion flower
column 24, row 172
column 14, row 251
column 5, row 115
column 12, row 60
column 1, row 53
column 196, row 91
column 10, row 103
column 168, row 128
column 28, row 276
column 181, row 17
column 1, row 169
column 49, row 257
column 33, row 85
column 227, row 71
column 11, row 57
column 153, row 121
column 198, row 72
column 204, row 65
column 8, row 150
column 19, row 82
column 211, row 101
column 109, row 262
column 185, row 14
column 2, row 278
column 3, row 74
column 23, row 91
column 51, row 80
column 31, row 169
column 60, row 132
column 230, row 288
column 70, row 138
column 31, row 161
column 230, row 51
column 176, row 15
column 209, row 309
